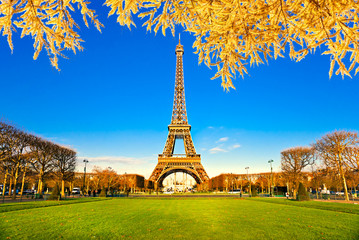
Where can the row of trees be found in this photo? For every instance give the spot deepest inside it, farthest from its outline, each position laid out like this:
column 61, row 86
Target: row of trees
column 22, row 153
column 332, row 160
column 335, row 155
column 107, row 179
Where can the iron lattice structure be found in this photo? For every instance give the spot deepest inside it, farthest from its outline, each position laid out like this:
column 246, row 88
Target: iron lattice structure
column 190, row 162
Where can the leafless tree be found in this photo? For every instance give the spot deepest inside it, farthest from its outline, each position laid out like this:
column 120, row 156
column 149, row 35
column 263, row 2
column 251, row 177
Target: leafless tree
column 351, row 155
column 333, row 149
column 65, row 164
column 19, row 150
column 14, row 146
column 43, row 152
column 293, row 161
column 2, row 141
column 19, row 155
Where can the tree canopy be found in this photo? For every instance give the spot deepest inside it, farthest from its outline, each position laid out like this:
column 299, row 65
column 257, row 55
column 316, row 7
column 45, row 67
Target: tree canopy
column 230, row 34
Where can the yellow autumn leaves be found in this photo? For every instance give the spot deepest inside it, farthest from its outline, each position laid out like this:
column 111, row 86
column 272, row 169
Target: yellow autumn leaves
column 230, row 34
column 49, row 23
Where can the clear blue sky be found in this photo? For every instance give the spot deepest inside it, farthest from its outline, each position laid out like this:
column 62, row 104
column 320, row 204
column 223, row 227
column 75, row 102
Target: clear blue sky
column 113, row 101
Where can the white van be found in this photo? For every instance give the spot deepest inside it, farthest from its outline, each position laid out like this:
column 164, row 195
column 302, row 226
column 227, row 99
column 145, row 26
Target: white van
column 75, row 190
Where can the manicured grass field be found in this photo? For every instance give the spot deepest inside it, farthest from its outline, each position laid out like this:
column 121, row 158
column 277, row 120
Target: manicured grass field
column 194, row 218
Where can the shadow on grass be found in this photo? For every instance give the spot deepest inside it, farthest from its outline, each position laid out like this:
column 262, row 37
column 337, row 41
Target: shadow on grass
column 329, row 206
column 9, row 207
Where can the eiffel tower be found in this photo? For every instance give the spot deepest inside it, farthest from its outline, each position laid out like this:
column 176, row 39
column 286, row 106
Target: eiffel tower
column 179, row 128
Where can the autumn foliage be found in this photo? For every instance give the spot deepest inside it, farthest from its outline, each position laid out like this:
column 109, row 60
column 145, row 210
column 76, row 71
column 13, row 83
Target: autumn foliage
column 294, row 161
column 230, row 35
column 338, row 152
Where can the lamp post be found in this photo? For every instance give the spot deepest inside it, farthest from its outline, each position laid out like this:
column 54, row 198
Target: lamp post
column 271, row 176
column 85, row 161
column 125, row 182
column 109, row 180
column 232, row 182
column 250, row 190
column 241, row 186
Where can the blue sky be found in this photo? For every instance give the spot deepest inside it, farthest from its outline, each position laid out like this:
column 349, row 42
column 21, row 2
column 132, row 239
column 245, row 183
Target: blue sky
column 113, row 101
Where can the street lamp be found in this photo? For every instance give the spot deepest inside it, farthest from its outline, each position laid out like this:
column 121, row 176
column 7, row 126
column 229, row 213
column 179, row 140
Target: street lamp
column 232, row 182
column 125, row 182
column 250, row 190
column 109, row 180
column 85, row 161
column 271, row 175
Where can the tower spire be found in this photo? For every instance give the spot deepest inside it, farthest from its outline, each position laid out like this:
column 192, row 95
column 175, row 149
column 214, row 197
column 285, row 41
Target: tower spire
column 179, row 113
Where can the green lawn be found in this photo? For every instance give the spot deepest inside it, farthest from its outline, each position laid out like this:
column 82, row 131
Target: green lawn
column 198, row 218
column 41, row 204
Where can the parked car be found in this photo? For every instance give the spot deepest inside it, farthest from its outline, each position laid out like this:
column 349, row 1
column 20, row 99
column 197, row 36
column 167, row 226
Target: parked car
column 235, row 191
column 75, row 191
column 28, row 192
column 12, row 192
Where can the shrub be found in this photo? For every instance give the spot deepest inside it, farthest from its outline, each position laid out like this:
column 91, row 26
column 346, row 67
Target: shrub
column 302, row 193
column 326, row 196
column 254, row 191
column 55, row 195
column 103, row 192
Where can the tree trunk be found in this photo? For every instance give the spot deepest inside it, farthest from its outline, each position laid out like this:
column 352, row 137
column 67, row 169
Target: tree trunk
column 343, row 178
column 41, row 179
column 62, row 188
column 10, row 186
column 23, row 181
column 4, row 185
column 288, row 188
column 39, row 187
column 316, row 191
column 295, row 186
column 15, row 182
column 345, row 185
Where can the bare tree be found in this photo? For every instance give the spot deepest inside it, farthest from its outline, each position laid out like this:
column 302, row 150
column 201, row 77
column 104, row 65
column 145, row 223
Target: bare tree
column 6, row 146
column 3, row 128
column 65, row 164
column 293, row 161
column 333, row 148
column 21, row 143
column 351, row 155
column 28, row 157
column 43, row 155
column 14, row 146
column 19, row 149
column 5, row 166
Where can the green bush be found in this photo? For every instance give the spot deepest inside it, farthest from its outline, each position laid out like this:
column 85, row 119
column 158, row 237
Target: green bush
column 302, row 195
column 55, row 195
column 326, row 196
column 103, row 192
column 254, row 191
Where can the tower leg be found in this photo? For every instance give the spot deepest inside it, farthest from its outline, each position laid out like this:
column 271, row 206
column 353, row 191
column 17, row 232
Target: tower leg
column 183, row 183
column 175, row 190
